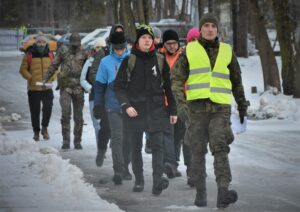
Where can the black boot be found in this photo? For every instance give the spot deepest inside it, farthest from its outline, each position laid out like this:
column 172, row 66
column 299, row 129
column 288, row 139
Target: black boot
column 190, row 180
column 138, row 185
column 117, row 179
column 36, row 135
column 160, row 185
column 226, row 197
column 200, row 200
column 148, row 149
column 126, row 174
column 170, row 170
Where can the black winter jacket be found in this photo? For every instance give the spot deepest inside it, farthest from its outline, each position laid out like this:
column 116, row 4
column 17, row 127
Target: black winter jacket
column 145, row 93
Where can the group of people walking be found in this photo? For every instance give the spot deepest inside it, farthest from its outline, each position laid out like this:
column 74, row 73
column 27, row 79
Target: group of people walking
column 180, row 97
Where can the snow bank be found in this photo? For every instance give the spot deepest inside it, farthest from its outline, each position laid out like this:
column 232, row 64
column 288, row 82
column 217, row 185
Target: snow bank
column 38, row 179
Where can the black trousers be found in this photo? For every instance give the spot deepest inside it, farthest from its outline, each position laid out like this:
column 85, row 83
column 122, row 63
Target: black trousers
column 104, row 133
column 35, row 98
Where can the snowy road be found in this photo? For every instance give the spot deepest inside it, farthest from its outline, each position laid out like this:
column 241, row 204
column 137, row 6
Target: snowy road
column 265, row 160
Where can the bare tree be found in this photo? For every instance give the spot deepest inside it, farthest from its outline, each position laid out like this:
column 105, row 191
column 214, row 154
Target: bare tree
column 200, row 8
column 242, row 25
column 285, row 34
column 183, row 10
column 267, row 58
column 126, row 17
column 234, row 12
column 211, row 6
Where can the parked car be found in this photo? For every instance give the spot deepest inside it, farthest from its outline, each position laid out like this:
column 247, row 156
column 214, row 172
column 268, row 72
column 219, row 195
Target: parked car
column 65, row 39
column 30, row 39
column 89, row 39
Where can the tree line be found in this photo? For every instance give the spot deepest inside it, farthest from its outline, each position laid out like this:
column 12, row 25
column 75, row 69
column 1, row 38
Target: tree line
column 248, row 17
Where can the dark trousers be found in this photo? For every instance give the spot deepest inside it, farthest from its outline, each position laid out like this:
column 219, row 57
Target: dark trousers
column 35, row 98
column 179, row 132
column 156, row 139
column 169, row 149
column 104, row 133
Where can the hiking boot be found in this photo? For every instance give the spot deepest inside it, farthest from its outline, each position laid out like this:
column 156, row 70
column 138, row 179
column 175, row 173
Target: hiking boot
column 138, row 185
column 158, row 187
column 100, row 157
column 117, row 179
column 190, row 181
column 45, row 133
column 178, row 173
column 77, row 146
column 200, row 200
column 226, row 197
column 65, row 146
column 148, row 149
column 170, row 170
column 127, row 175
column 36, row 135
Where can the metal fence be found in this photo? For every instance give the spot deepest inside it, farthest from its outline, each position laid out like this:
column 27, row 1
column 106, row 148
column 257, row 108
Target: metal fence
column 10, row 39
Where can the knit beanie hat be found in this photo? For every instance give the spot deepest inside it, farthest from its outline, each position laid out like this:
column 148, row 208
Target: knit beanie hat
column 170, row 35
column 193, row 34
column 118, row 40
column 208, row 17
column 100, row 42
column 156, row 32
column 142, row 30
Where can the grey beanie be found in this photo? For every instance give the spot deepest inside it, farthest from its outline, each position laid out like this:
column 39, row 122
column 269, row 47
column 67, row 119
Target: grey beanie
column 156, row 32
column 208, row 17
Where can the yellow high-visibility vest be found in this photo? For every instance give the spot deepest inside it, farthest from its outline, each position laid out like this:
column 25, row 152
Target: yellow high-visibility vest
column 203, row 81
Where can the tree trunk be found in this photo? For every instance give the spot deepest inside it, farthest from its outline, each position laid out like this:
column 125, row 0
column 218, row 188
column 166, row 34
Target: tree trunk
column 268, row 62
column 210, row 6
column 126, row 17
column 297, row 74
column 284, row 33
column 183, row 10
column 157, row 10
column 115, row 4
column 200, row 9
column 242, row 26
column 140, row 11
column 146, row 11
column 234, row 12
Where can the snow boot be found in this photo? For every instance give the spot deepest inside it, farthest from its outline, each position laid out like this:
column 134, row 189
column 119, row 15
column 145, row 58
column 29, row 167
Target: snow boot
column 117, row 179
column 170, row 170
column 126, row 174
column 148, row 149
column 226, row 197
column 77, row 146
column 100, row 157
column 45, row 133
column 138, row 185
column 65, row 146
column 200, row 200
column 36, row 135
column 160, row 185
column 190, row 180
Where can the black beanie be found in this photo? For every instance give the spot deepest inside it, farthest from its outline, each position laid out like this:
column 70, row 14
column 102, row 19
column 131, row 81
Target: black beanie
column 118, row 40
column 142, row 30
column 208, row 18
column 170, row 35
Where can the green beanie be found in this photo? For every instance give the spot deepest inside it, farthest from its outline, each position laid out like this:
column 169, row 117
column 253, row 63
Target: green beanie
column 208, row 17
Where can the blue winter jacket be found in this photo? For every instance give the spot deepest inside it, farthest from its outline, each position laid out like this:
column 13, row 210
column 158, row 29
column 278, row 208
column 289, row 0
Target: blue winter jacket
column 104, row 85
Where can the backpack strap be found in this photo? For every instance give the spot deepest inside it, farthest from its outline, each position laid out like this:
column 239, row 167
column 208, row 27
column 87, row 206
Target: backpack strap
column 29, row 59
column 130, row 66
column 160, row 61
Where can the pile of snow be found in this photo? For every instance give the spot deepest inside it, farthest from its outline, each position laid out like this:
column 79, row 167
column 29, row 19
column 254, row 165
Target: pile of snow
column 271, row 105
column 38, row 179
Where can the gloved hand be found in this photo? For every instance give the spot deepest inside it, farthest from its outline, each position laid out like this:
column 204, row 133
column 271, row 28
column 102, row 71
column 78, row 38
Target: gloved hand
column 242, row 114
column 99, row 111
column 183, row 113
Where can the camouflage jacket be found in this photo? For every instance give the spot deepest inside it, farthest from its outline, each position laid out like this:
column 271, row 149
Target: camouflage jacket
column 70, row 71
column 181, row 73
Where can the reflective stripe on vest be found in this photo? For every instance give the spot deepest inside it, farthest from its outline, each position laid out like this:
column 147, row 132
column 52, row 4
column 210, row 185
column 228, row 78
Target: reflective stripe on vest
column 203, row 83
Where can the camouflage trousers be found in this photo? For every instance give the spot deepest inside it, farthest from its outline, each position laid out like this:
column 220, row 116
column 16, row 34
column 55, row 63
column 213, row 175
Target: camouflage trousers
column 209, row 124
column 66, row 99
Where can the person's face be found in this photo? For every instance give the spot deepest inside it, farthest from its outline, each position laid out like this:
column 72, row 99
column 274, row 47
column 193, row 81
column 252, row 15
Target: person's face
column 41, row 43
column 209, row 31
column 145, row 42
column 97, row 48
column 156, row 40
column 118, row 29
column 171, row 46
column 119, row 51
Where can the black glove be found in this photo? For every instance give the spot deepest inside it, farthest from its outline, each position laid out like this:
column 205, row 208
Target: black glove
column 242, row 108
column 99, row 111
column 242, row 114
column 183, row 113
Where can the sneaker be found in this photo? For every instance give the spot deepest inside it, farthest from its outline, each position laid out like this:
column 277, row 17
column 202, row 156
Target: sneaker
column 226, row 197
column 117, row 179
column 100, row 157
column 77, row 146
column 148, row 149
column 170, row 170
column 36, row 135
column 162, row 184
column 65, row 146
column 45, row 133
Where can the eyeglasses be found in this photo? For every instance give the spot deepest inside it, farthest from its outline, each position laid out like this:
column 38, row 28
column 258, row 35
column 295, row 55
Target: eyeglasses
column 171, row 43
